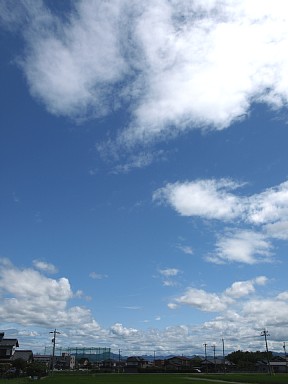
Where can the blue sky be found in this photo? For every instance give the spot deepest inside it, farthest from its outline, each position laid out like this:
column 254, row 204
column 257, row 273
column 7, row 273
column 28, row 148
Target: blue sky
column 144, row 191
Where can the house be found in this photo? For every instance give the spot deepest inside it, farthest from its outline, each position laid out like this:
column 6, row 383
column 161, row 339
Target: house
column 279, row 366
column 275, row 366
column 112, row 365
column 25, row 355
column 159, row 363
column 178, row 363
column 65, row 361
column 216, row 365
column 134, row 363
column 43, row 359
column 7, row 348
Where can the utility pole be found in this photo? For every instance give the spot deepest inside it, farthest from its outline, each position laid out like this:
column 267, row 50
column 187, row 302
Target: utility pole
column 284, row 347
column 223, row 352
column 214, row 347
column 205, row 349
column 119, row 359
column 54, row 344
column 265, row 334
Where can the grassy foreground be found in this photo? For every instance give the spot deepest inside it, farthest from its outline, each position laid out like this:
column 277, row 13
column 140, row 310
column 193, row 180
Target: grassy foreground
column 155, row 379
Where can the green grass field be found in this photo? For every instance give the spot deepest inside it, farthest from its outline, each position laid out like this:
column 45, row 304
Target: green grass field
column 155, row 379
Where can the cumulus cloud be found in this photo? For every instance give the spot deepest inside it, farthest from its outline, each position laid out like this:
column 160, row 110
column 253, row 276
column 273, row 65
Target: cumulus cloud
column 278, row 230
column 260, row 311
column 71, row 65
column 243, row 247
column 177, row 65
column 29, row 297
column 214, row 302
column 119, row 330
column 219, row 200
column 208, row 64
column 244, row 288
column 200, row 299
column 206, row 198
column 269, row 206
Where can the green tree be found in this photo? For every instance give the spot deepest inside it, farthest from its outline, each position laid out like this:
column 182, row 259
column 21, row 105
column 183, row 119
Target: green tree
column 20, row 365
column 247, row 360
column 36, row 369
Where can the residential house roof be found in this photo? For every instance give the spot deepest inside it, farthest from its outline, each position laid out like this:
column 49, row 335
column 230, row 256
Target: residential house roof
column 8, row 343
column 25, row 355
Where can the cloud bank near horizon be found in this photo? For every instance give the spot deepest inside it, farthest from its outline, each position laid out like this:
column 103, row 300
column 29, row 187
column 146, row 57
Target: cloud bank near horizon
column 177, row 66
column 34, row 311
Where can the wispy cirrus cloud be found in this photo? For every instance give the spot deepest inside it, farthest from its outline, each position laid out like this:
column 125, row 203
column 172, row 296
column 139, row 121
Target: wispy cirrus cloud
column 185, row 249
column 44, row 266
column 168, row 272
column 97, row 276
column 139, row 160
column 169, row 275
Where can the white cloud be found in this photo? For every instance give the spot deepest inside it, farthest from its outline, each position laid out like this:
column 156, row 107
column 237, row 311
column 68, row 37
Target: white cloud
column 214, row 302
column 119, row 330
column 70, row 66
column 278, row 230
column 208, row 68
column 217, row 199
column 168, row 272
column 136, row 161
column 244, row 288
column 242, row 312
column 213, row 199
column 283, row 296
column 28, row 297
column 44, row 266
column 269, row 206
column 169, row 283
column 240, row 288
column 186, row 249
column 243, row 247
column 202, row 300
column 97, row 276
column 272, row 311
column 177, row 65
column 206, row 198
